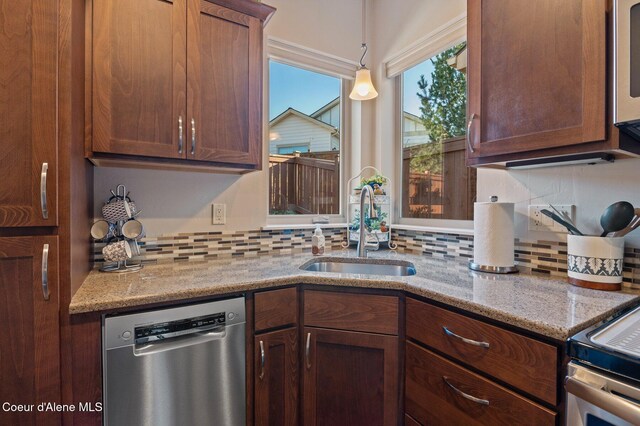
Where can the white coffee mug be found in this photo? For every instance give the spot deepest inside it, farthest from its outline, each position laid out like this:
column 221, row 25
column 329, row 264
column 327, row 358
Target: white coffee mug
column 133, row 229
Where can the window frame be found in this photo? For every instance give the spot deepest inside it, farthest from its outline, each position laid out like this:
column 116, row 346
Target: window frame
column 298, row 56
column 433, row 44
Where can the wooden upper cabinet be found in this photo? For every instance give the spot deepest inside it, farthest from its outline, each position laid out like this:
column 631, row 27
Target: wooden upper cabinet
column 28, row 98
column 224, row 90
column 536, row 75
column 178, row 80
column 139, row 77
column 29, row 336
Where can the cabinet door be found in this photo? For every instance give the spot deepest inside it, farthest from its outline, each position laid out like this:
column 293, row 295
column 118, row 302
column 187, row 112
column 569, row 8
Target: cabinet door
column 276, row 378
column 536, row 74
column 224, row 85
column 350, row 378
column 29, row 342
column 139, row 77
column 28, row 67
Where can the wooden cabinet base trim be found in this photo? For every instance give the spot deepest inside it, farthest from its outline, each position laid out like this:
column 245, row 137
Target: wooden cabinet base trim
column 167, row 164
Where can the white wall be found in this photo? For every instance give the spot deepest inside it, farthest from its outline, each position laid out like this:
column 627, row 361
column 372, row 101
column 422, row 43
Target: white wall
column 181, row 201
column 590, row 188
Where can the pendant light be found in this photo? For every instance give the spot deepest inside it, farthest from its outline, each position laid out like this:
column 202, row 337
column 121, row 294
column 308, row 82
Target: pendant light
column 363, row 87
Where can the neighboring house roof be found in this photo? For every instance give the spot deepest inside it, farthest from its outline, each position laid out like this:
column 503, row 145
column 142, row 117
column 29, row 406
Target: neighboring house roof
column 290, row 111
column 325, row 108
column 412, row 117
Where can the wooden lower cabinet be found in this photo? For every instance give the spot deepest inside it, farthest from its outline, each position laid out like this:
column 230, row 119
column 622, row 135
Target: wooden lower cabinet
column 440, row 392
column 350, row 378
column 276, row 378
column 29, row 336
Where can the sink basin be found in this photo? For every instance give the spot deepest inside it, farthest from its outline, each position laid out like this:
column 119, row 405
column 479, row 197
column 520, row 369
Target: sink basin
column 396, row 268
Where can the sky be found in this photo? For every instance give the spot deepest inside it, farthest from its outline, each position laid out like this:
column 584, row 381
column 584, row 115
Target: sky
column 300, row 89
column 411, row 102
column 307, row 91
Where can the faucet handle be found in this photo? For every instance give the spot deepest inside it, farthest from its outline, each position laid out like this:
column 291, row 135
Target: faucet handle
column 372, row 246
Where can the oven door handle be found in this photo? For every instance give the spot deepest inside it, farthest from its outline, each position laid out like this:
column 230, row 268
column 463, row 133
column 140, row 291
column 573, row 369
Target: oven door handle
column 604, row 400
column 177, row 342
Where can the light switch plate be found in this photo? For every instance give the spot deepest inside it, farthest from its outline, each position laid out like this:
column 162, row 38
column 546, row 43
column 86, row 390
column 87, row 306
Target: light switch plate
column 219, row 214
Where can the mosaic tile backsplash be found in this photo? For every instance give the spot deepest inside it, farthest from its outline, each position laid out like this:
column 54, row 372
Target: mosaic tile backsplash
column 546, row 257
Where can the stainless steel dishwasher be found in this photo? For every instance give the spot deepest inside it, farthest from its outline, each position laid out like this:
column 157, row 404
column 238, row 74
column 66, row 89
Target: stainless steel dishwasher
column 177, row 366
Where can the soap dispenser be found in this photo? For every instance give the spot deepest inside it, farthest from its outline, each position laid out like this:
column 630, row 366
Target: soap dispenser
column 317, row 242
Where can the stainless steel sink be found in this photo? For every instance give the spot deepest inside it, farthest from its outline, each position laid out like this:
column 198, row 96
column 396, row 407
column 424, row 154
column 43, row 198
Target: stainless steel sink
column 396, row 268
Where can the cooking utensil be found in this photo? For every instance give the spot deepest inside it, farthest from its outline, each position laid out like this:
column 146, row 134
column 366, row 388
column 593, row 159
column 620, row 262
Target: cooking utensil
column 635, row 222
column 572, row 229
column 563, row 215
column 616, row 217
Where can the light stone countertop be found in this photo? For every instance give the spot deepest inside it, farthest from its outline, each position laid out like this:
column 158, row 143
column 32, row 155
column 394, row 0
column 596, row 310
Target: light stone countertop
column 549, row 307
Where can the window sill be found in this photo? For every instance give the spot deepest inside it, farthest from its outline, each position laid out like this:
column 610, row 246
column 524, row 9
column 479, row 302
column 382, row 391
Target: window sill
column 280, row 227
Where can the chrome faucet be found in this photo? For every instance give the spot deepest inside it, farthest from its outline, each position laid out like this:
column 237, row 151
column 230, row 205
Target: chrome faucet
column 362, row 243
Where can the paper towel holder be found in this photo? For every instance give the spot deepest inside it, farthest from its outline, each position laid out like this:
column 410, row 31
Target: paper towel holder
column 493, row 269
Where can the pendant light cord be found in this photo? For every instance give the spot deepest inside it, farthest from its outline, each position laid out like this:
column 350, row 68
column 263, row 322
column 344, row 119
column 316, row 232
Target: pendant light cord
column 364, row 32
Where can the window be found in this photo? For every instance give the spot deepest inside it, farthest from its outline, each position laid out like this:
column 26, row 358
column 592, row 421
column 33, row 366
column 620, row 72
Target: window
column 304, row 141
column 436, row 183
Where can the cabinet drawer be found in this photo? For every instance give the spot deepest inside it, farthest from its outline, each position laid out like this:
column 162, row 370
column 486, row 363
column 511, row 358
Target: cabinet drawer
column 439, row 392
column 520, row 361
column 347, row 311
column 276, row 308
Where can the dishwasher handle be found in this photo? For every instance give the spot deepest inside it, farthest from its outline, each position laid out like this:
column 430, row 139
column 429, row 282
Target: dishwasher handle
column 178, row 342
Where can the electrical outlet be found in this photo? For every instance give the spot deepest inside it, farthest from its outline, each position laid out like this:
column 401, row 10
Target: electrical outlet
column 538, row 221
column 219, row 214
column 541, row 222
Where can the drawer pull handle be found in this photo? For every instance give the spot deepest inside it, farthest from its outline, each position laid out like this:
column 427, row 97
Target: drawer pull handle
column 45, row 271
column 262, row 359
column 307, row 351
column 464, row 339
column 465, row 395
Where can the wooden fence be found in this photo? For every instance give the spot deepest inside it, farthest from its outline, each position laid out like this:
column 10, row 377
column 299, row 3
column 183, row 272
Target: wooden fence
column 446, row 195
column 303, row 185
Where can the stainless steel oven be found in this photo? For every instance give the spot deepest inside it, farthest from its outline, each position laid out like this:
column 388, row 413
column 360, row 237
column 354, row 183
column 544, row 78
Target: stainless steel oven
column 626, row 27
column 595, row 398
column 603, row 377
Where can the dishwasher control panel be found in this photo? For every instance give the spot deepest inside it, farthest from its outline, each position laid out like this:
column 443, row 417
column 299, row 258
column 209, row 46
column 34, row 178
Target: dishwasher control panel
column 152, row 326
column 164, row 330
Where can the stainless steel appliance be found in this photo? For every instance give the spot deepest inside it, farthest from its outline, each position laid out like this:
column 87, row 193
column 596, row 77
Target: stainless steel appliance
column 177, row 366
column 626, row 73
column 603, row 380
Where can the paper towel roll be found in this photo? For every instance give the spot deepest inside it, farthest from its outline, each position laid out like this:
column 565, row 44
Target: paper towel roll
column 493, row 234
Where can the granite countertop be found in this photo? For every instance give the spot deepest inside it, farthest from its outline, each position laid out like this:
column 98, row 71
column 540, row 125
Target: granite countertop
column 546, row 306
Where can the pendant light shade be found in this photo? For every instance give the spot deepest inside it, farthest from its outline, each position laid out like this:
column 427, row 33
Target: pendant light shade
column 363, row 86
